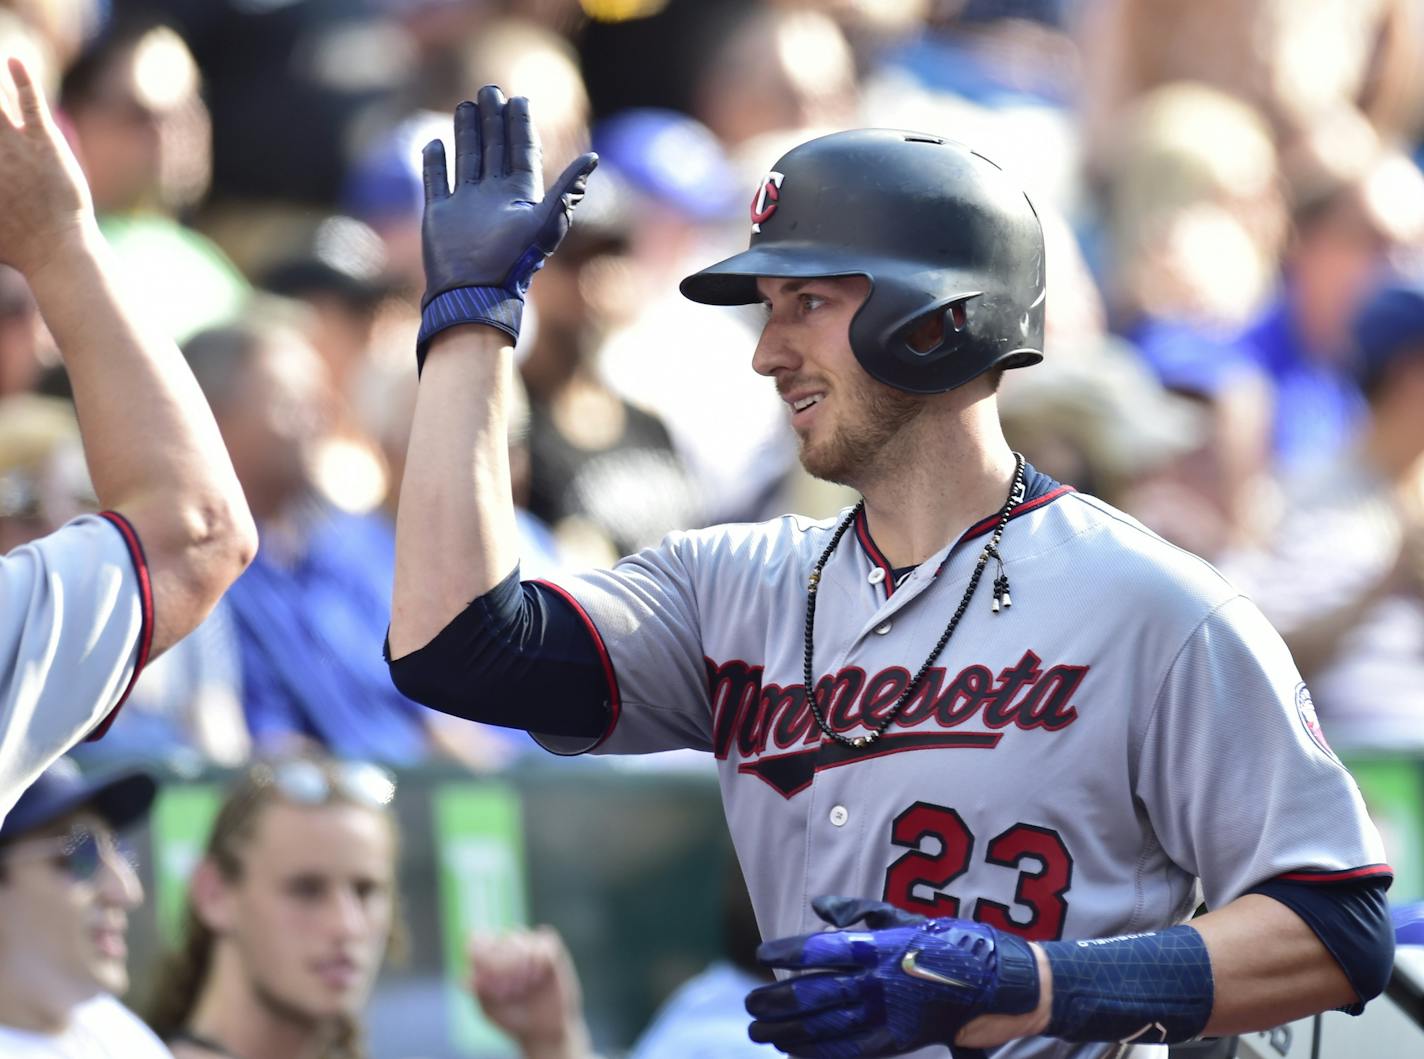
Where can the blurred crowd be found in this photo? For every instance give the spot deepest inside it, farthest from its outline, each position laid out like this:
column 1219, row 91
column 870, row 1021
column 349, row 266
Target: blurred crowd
column 1233, row 211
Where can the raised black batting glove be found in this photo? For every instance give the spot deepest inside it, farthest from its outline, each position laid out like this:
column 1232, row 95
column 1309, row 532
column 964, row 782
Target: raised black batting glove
column 483, row 241
column 902, row 983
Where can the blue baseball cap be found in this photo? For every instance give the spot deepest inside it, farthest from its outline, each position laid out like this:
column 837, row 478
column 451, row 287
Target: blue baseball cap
column 1389, row 324
column 672, row 158
column 120, row 799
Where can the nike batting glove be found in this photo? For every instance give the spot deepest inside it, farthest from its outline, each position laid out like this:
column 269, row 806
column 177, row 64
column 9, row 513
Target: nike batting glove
column 484, row 240
column 904, row 983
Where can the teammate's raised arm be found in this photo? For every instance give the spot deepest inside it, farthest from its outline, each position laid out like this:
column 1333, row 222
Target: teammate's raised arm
column 483, row 241
column 85, row 608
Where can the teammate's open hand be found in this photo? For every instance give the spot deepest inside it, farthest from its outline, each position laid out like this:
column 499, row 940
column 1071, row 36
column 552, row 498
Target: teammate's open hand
column 44, row 199
column 484, row 240
column 905, row 983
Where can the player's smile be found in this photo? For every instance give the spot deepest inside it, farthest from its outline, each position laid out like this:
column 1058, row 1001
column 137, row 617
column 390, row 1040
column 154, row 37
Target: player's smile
column 804, row 405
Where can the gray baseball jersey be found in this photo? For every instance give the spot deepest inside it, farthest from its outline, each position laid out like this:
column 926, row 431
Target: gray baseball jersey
column 1128, row 739
column 76, row 622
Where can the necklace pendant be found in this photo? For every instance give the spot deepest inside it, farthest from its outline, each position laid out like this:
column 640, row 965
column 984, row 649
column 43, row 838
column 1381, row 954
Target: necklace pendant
column 860, row 741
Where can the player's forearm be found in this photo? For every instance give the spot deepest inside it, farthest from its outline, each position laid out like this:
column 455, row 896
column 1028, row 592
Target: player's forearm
column 153, row 449
column 455, row 529
column 1268, row 967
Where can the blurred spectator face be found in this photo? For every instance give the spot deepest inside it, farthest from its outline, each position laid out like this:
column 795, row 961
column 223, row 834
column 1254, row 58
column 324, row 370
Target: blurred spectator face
column 340, row 273
column 273, row 417
column 65, row 895
column 779, row 69
column 135, row 123
column 309, row 912
column 1342, row 245
column 592, row 286
column 1197, row 215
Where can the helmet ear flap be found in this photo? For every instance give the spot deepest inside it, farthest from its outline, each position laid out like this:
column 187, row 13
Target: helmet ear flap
column 927, row 333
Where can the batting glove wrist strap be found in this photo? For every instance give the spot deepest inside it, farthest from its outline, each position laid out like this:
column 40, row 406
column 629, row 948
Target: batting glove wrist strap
column 494, row 306
column 1145, row 988
column 901, row 983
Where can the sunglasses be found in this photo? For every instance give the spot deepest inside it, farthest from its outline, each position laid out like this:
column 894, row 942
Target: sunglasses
column 310, row 783
column 80, row 853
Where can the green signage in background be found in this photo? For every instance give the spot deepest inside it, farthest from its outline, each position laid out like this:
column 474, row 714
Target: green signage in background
column 179, row 826
column 1394, row 792
column 477, row 836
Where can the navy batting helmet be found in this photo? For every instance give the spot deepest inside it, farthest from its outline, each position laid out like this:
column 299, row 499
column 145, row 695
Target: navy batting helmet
column 935, row 227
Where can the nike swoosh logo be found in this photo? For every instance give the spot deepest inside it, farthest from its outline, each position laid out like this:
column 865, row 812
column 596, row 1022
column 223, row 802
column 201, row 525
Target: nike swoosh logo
column 912, row 968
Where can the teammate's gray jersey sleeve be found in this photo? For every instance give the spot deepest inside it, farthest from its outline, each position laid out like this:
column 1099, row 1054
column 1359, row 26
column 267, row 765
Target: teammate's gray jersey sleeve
column 75, row 622
column 1234, row 772
column 644, row 615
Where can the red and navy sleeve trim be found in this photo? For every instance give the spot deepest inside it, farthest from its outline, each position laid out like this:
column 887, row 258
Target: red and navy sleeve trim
column 1320, row 877
column 145, row 596
column 615, row 702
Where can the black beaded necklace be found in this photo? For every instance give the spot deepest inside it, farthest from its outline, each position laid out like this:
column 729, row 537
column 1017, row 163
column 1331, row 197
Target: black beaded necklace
column 1001, row 599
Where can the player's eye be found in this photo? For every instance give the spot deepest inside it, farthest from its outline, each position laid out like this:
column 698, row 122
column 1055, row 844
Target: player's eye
column 809, row 302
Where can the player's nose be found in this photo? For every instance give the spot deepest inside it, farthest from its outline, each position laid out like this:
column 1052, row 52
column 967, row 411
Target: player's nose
column 774, row 351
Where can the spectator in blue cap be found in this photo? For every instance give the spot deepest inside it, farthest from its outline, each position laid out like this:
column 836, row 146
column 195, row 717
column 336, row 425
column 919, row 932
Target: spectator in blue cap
column 1343, row 579
column 66, row 891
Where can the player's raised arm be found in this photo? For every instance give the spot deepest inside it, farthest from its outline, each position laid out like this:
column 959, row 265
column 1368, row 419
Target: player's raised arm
column 153, row 450
column 83, row 609
column 483, row 240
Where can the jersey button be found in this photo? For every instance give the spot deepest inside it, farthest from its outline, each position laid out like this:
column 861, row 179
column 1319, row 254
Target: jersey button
column 882, row 628
column 876, row 576
column 839, row 815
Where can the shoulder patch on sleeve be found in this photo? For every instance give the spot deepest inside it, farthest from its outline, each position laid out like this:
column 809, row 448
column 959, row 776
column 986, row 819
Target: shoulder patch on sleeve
column 1305, row 710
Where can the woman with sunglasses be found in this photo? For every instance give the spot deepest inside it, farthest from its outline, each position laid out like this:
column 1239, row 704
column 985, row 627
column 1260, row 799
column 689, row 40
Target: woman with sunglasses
column 67, row 887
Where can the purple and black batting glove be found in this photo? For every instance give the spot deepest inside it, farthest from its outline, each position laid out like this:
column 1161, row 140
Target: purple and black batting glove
column 906, row 982
column 484, row 240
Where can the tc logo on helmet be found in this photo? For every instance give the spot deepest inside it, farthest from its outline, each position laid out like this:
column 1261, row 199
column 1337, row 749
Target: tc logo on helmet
column 765, row 199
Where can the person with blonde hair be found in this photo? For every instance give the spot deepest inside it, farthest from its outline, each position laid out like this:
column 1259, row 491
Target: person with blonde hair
column 290, row 914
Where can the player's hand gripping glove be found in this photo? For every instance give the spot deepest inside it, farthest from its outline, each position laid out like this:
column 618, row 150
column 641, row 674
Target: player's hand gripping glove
column 484, row 240
column 904, row 983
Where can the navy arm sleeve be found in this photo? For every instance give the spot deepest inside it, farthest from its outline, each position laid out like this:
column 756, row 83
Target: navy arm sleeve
column 1352, row 921
column 519, row 657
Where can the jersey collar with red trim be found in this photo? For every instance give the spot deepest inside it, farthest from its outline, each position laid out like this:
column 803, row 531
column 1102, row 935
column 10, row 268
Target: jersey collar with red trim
column 1039, row 489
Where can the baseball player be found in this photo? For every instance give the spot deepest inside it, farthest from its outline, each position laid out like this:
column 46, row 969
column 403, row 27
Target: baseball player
column 85, row 608
column 1036, row 736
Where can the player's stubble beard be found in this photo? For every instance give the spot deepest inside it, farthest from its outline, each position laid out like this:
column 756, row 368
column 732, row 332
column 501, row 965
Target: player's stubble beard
column 873, row 416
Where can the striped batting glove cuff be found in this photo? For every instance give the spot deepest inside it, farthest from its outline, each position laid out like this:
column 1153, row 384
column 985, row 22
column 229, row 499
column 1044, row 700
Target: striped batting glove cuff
column 494, row 306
